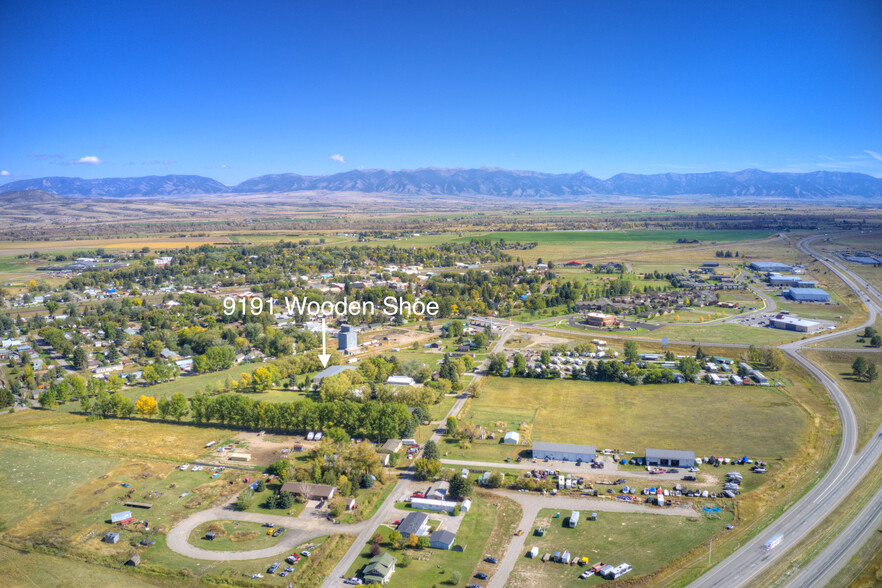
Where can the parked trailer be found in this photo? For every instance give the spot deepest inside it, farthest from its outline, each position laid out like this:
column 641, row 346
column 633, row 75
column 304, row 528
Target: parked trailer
column 773, row 542
column 620, row 571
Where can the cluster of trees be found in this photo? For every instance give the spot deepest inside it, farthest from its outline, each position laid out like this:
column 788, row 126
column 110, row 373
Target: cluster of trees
column 726, row 254
column 864, row 370
column 873, row 335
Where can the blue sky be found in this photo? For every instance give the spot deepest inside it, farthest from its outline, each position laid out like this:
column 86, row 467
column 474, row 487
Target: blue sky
column 235, row 90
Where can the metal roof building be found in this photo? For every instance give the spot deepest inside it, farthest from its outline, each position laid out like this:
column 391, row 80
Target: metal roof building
column 670, row 458
column 808, row 295
column 770, row 266
column 330, row 371
column 791, row 323
column 563, row 451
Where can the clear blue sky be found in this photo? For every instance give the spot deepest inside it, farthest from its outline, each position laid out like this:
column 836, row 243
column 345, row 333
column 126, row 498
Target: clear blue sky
column 232, row 90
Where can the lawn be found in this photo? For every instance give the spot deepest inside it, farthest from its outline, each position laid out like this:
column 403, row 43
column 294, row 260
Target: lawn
column 853, row 341
column 613, row 538
column 434, row 566
column 111, row 437
column 368, row 501
column 865, row 397
column 25, row 471
column 439, row 411
column 697, row 417
column 233, row 536
column 721, row 333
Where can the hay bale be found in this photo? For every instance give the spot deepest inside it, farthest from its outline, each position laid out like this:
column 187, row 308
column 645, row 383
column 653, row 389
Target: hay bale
column 216, row 528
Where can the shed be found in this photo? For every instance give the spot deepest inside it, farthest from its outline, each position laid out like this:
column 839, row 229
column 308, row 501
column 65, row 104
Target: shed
column 134, row 560
column 111, row 538
column 239, row 457
column 534, row 551
column 120, row 516
column 442, row 540
column 466, row 505
column 512, row 438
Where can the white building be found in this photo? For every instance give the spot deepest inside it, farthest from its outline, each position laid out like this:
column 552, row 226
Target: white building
column 512, row 438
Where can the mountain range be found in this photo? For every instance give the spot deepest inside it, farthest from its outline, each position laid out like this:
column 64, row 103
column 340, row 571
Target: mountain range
column 477, row 182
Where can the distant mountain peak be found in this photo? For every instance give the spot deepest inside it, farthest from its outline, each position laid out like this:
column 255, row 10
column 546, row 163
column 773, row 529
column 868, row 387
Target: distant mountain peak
column 484, row 181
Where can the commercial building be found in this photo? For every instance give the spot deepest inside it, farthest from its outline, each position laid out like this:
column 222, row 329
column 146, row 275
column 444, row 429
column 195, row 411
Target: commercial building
column 793, row 281
column 770, row 266
column 791, row 323
column 598, row 319
column 563, row 451
column 347, row 339
column 807, row 295
column 670, row 458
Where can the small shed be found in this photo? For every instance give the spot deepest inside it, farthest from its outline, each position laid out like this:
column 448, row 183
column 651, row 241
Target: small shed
column 534, row 552
column 209, row 536
column 512, row 438
column 466, row 505
column 240, row 457
column 134, row 560
column 111, row 538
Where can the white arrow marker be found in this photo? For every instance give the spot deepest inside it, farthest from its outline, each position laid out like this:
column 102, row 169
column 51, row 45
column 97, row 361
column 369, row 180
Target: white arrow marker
column 324, row 357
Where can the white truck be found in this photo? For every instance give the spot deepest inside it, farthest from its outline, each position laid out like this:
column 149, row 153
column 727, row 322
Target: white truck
column 773, row 542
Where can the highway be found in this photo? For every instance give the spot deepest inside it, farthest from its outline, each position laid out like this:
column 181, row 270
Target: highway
column 844, row 475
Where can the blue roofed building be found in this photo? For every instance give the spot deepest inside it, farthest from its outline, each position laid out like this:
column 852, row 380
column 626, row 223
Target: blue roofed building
column 807, row 295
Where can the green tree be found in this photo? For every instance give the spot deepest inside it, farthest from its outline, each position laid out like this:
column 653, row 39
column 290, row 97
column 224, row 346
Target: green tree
column 455, row 577
column 430, row 451
column 452, row 426
column 244, row 501
column 872, row 373
column 426, row 469
column 519, row 366
column 859, row 367
column 80, row 359
column 631, row 352
column 699, row 354
column 47, row 399
column 460, row 487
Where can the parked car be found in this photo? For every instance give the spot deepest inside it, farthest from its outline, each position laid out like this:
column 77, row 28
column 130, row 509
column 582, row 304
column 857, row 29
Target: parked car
column 272, row 569
column 481, row 576
column 492, row 560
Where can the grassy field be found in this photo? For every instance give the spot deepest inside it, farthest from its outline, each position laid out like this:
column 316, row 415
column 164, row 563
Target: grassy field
column 489, row 519
column 232, row 536
column 111, row 437
column 721, row 333
column 865, row 397
column 23, row 476
column 851, row 341
column 689, row 416
column 613, row 538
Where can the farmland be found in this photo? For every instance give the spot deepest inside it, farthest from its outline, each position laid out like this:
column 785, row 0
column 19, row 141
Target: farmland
column 635, row 417
column 613, row 538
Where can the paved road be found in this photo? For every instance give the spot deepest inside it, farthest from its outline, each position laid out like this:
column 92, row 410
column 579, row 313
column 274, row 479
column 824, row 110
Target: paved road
column 532, row 503
column 845, row 473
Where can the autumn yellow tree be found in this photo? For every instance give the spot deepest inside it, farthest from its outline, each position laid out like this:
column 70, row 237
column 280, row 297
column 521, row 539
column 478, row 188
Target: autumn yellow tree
column 146, row 406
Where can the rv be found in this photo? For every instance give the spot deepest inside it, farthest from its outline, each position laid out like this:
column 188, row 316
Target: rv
column 773, row 542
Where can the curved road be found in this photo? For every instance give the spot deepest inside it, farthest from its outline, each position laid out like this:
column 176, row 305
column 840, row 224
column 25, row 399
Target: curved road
column 845, row 473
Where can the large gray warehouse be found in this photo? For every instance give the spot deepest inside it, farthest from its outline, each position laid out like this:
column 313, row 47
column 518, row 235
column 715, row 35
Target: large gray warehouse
column 563, row 451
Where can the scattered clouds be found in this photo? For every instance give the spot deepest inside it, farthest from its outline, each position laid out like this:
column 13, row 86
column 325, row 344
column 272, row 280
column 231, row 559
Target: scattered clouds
column 873, row 154
column 224, row 166
column 86, row 159
column 5, row 173
column 338, row 157
column 44, row 156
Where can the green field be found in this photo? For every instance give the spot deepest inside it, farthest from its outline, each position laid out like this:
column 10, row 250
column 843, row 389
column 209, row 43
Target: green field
column 865, row 397
column 721, row 333
column 25, row 470
column 697, row 417
column 613, row 538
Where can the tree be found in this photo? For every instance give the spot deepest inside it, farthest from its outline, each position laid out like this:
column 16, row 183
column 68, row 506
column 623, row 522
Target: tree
column 430, row 451
column 150, row 375
column 876, row 341
column 699, row 354
column 519, row 366
column 146, row 406
column 261, row 486
column 496, row 480
column 498, row 364
column 282, row 469
column 872, row 373
column 774, row 359
column 631, row 353
column 179, row 406
column 452, row 426
column 460, row 487
column 425, row 469
column 244, row 501
column 80, row 358
column 455, row 577
column 859, row 367
column 47, row 399
column 689, row 367
column 545, row 357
